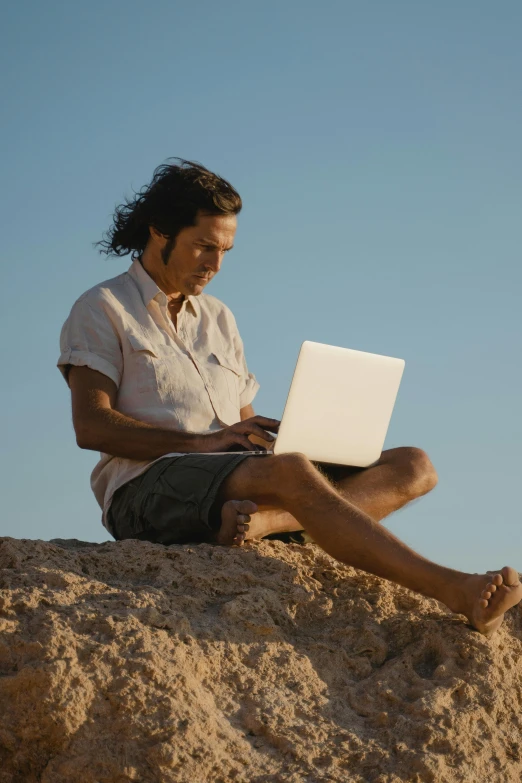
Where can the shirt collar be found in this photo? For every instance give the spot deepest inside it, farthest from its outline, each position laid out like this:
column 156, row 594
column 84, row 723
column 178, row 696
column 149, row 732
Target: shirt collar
column 148, row 288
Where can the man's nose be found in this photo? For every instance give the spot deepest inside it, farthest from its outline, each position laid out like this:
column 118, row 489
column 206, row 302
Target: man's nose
column 214, row 260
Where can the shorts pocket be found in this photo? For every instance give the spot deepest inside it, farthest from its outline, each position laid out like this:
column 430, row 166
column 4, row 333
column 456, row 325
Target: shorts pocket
column 123, row 517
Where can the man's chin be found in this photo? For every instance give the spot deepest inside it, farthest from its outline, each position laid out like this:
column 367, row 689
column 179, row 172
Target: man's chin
column 196, row 288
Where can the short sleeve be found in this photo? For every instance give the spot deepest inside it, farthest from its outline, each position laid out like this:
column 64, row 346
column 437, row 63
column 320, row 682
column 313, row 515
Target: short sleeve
column 248, row 385
column 88, row 339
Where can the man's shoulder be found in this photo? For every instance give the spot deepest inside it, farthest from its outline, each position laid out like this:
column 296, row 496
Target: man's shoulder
column 105, row 292
column 213, row 305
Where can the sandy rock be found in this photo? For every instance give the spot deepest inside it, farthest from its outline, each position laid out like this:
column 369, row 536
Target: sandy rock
column 132, row 661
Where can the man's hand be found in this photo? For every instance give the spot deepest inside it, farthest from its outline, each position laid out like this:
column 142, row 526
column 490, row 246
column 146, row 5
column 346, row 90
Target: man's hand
column 235, row 437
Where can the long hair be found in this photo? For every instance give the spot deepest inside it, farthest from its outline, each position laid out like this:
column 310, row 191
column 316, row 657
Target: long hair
column 170, row 202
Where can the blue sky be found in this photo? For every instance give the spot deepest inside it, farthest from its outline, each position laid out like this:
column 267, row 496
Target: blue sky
column 377, row 150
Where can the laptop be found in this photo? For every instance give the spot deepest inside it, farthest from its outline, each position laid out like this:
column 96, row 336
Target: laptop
column 339, row 406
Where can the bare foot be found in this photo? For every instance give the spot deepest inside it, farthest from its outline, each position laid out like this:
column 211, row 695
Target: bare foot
column 272, row 520
column 488, row 597
column 235, row 516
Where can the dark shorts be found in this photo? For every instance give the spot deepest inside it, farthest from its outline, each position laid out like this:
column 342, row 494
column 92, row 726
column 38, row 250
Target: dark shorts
column 173, row 502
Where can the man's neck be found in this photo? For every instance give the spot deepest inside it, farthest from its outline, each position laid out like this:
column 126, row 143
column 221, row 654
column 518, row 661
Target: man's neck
column 151, row 269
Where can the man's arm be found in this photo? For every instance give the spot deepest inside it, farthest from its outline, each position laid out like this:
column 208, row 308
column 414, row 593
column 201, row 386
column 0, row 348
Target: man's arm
column 101, row 428
column 247, row 412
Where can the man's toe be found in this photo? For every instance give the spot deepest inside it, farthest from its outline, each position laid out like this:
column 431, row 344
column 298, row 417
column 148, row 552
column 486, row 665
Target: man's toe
column 509, row 576
column 246, row 507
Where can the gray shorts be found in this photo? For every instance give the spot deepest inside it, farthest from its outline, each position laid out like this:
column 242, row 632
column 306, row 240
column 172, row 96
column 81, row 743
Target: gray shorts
column 173, row 502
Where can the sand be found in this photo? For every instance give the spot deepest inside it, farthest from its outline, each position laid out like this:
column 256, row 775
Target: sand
column 131, row 661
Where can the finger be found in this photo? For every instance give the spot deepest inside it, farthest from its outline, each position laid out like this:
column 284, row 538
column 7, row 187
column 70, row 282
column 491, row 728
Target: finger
column 249, row 445
column 269, row 424
column 259, row 432
column 242, row 440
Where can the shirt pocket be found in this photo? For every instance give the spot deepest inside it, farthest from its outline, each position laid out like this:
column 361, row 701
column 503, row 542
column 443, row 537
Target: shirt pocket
column 147, row 365
column 232, row 376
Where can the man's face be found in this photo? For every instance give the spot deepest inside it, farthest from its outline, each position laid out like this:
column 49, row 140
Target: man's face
column 198, row 253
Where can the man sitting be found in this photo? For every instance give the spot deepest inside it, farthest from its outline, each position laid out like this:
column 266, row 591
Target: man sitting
column 159, row 383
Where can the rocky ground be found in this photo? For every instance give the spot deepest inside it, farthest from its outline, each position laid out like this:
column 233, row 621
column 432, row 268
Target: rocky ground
column 132, row 661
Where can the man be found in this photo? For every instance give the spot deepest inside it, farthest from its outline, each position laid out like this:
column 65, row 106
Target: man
column 159, row 384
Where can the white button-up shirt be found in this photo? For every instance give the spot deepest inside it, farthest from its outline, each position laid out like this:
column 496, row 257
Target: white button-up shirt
column 194, row 379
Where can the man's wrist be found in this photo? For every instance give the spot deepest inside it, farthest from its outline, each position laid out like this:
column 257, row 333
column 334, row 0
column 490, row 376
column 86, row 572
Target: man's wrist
column 199, row 443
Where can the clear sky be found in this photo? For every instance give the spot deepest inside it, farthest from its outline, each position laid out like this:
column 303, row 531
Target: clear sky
column 377, row 149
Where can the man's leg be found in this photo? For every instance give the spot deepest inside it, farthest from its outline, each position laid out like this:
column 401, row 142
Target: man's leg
column 400, row 476
column 290, row 482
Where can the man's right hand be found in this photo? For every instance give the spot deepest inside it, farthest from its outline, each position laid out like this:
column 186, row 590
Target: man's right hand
column 235, row 437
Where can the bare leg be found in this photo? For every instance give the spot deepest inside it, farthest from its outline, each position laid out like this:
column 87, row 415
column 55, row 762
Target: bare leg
column 400, row 476
column 291, row 482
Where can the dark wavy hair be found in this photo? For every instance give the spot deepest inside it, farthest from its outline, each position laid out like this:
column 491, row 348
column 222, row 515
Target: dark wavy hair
column 170, row 202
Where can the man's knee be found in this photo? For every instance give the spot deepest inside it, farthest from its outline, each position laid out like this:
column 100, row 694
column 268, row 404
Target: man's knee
column 291, row 465
column 416, row 471
column 288, row 472
column 272, row 480
column 292, row 460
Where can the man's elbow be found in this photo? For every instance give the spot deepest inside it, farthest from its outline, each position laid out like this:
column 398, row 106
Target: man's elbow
column 86, row 438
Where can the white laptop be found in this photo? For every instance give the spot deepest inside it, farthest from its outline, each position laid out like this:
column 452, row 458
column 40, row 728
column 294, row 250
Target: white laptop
column 339, row 405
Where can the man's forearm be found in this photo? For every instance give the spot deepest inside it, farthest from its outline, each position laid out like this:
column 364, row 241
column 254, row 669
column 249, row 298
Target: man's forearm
column 116, row 434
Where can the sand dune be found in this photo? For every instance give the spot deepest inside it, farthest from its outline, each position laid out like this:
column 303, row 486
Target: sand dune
column 135, row 662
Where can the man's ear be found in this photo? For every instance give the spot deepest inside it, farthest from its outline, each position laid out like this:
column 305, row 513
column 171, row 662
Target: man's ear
column 157, row 237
